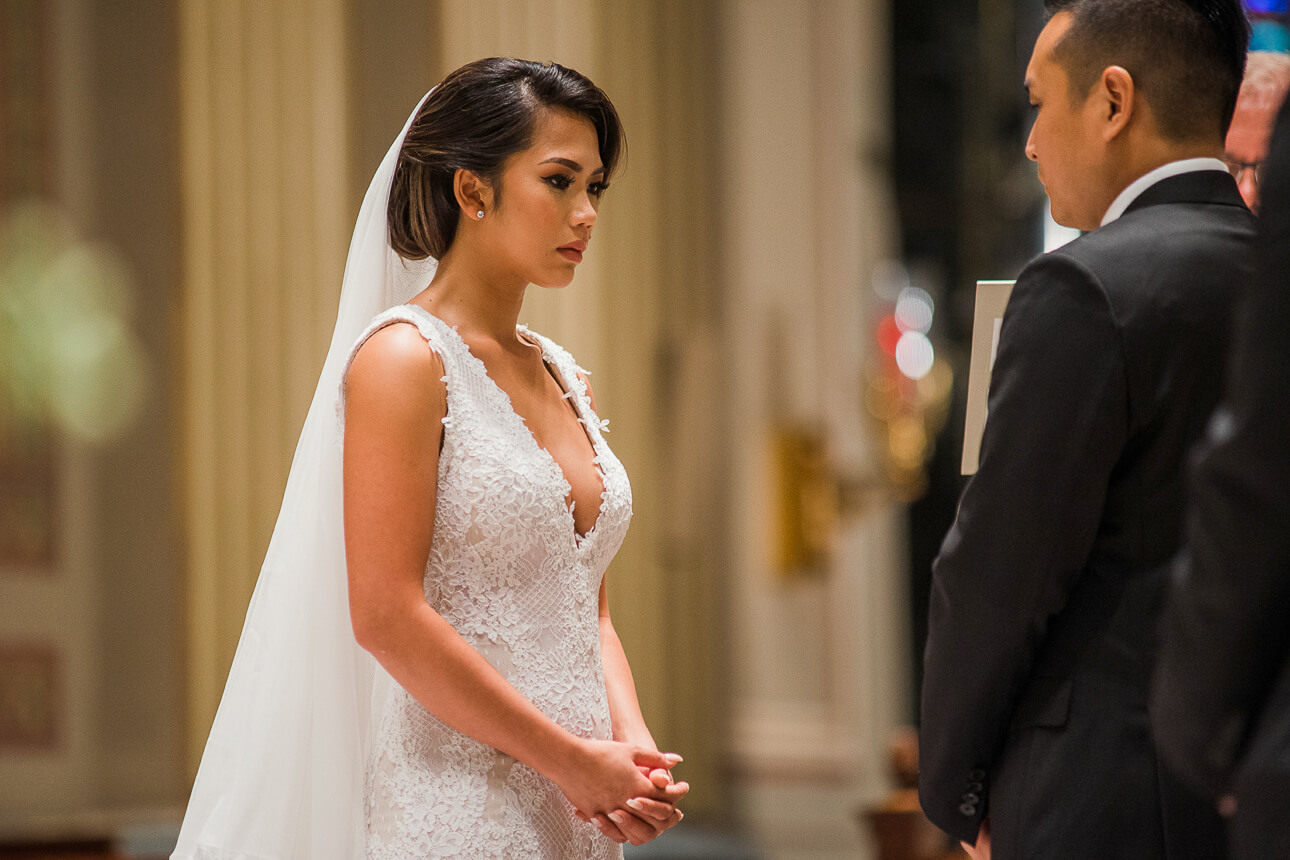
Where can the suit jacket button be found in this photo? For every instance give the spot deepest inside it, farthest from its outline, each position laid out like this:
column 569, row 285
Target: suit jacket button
column 968, row 809
column 976, row 775
column 975, row 786
column 970, row 798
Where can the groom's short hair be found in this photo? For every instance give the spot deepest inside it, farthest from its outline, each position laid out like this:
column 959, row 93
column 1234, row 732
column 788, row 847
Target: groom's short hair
column 1186, row 57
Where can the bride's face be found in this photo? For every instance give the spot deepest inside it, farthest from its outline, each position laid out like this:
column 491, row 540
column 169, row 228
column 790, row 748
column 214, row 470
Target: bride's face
column 548, row 201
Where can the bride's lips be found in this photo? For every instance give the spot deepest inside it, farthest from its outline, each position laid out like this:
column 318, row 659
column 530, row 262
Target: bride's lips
column 572, row 251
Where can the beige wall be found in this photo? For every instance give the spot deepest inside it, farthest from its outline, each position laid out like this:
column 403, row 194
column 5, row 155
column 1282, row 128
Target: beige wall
column 111, row 605
column 136, row 208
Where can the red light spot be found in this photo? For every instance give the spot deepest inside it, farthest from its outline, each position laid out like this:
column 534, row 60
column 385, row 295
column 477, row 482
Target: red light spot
column 888, row 334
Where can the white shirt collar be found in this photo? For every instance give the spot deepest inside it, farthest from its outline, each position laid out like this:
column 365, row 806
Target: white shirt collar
column 1165, row 171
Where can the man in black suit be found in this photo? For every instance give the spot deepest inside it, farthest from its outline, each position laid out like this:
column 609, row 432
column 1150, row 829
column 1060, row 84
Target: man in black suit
column 1221, row 703
column 1035, row 740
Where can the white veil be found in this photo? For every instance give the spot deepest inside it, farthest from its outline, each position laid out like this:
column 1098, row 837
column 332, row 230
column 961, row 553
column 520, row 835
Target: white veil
column 282, row 774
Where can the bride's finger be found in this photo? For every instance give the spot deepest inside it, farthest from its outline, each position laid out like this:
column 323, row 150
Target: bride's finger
column 673, row 793
column 608, row 828
column 649, row 808
column 660, row 777
column 637, row 830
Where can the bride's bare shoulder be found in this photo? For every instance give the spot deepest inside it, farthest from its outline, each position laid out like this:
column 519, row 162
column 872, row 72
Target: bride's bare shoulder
column 396, row 362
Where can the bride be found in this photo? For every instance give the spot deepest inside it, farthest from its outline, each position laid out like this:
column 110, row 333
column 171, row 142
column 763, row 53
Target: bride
column 451, row 511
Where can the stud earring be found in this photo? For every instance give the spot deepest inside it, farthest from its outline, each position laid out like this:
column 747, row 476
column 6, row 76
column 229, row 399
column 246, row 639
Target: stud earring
column 479, row 214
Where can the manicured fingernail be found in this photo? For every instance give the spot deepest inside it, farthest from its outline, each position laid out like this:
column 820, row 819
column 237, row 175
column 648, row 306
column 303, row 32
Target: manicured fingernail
column 598, row 823
column 673, row 758
column 635, row 804
column 618, row 817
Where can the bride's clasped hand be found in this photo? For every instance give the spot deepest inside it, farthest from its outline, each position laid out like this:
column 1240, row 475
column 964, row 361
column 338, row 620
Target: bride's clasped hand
column 626, row 790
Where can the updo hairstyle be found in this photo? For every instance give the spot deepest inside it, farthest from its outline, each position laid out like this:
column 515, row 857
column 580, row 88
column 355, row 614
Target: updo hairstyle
column 480, row 115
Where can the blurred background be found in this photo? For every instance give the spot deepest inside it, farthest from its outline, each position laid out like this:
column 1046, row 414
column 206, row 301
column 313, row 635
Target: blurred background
column 777, row 311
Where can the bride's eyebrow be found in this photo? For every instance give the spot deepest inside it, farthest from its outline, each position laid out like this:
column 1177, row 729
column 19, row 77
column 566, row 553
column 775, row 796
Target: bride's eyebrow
column 571, row 164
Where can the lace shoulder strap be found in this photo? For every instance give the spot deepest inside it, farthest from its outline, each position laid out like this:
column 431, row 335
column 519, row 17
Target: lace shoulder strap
column 574, row 376
column 435, row 331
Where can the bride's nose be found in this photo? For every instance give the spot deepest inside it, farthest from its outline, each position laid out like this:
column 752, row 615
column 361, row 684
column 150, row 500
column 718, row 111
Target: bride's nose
column 584, row 211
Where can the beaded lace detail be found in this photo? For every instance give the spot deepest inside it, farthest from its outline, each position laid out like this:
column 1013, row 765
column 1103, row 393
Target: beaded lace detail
column 509, row 572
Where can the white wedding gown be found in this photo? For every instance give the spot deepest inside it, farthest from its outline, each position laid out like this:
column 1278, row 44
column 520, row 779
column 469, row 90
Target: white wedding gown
column 508, row 570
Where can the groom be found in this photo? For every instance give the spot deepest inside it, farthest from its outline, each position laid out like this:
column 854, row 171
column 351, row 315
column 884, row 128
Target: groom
column 1035, row 737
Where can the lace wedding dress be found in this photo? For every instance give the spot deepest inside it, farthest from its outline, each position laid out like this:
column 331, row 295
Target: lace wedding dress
column 508, row 570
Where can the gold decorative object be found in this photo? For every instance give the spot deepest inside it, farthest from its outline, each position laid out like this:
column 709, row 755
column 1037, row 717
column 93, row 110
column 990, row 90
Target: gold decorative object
column 805, row 499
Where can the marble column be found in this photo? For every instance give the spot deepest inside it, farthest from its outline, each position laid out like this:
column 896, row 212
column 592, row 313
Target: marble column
column 817, row 670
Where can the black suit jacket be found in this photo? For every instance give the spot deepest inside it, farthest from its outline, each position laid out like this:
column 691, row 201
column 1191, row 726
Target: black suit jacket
column 1047, row 590
column 1222, row 696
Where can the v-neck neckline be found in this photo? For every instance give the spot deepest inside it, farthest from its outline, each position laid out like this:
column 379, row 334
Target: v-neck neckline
column 551, row 367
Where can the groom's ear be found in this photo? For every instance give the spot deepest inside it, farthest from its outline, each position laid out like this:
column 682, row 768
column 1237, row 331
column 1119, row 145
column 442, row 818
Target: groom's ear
column 474, row 194
column 1118, row 101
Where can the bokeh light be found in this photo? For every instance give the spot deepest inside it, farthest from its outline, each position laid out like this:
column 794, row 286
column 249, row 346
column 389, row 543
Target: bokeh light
column 888, row 334
column 68, row 355
column 915, row 355
column 914, row 310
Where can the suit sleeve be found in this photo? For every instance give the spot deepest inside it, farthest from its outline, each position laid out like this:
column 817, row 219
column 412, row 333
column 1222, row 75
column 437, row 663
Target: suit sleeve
column 1224, row 634
column 1025, row 527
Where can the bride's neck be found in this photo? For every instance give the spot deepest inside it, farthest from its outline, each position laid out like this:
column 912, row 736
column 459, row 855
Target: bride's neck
column 476, row 298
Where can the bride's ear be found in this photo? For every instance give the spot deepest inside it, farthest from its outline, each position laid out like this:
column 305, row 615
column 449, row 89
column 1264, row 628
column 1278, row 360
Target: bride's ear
column 474, row 194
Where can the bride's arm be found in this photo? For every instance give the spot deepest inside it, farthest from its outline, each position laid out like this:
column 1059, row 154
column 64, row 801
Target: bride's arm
column 394, row 406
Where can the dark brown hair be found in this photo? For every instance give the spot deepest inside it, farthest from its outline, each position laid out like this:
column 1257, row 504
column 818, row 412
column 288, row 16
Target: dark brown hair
column 480, row 115
column 1186, row 57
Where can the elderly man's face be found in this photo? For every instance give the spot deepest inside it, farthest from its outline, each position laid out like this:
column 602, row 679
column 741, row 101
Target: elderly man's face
column 1247, row 141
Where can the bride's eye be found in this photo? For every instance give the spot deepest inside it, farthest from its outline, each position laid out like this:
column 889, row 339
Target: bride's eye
column 559, row 180
column 598, row 188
